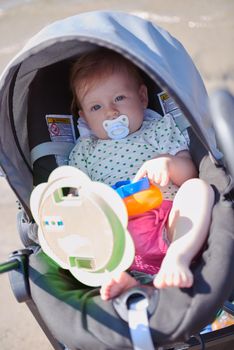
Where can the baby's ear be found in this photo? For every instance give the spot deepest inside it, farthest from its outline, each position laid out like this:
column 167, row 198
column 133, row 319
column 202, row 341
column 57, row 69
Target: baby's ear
column 143, row 93
column 81, row 114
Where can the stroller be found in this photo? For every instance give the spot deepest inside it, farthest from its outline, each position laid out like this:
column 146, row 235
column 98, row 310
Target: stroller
column 34, row 85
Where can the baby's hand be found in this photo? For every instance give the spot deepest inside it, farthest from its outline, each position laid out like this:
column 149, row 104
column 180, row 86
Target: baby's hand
column 157, row 170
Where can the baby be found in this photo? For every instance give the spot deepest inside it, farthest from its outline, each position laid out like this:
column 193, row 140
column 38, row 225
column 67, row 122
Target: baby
column 111, row 96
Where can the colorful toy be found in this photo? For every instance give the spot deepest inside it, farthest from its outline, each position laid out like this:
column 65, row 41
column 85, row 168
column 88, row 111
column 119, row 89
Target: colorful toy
column 139, row 196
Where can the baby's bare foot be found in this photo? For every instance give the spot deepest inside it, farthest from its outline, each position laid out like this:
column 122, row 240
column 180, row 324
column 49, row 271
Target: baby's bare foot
column 117, row 285
column 174, row 272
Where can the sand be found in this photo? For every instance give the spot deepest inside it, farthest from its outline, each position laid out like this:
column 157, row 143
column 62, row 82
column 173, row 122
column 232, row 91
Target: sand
column 206, row 29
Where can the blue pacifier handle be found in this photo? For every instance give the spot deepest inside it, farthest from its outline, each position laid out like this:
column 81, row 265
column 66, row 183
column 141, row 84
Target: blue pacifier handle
column 128, row 188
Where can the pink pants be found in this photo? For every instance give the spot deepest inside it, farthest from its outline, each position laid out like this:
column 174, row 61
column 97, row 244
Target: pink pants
column 149, row 235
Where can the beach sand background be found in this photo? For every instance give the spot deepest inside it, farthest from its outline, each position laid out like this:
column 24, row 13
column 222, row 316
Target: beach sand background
column 206, row 29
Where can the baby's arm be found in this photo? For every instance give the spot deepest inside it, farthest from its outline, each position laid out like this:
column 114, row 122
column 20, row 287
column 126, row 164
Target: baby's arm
column 160, row 170
column 181, row 168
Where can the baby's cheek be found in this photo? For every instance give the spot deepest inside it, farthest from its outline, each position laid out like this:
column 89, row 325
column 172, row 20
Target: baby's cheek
column 101, row 134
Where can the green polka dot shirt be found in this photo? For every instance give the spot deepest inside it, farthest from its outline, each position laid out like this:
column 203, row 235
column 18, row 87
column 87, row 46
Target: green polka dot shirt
column 110, row 161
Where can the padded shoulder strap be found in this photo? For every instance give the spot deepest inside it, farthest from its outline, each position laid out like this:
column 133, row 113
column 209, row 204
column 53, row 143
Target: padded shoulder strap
column 51, row 148
column 181, row 122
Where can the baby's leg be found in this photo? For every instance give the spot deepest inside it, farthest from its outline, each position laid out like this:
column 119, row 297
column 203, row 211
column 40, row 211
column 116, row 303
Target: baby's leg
column 117, row 285
column 188, row 226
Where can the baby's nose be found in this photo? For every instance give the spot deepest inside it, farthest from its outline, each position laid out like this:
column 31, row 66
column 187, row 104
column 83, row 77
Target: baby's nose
column 112, row 113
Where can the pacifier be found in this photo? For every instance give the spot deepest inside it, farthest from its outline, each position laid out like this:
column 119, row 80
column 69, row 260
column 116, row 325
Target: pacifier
column 117, row 128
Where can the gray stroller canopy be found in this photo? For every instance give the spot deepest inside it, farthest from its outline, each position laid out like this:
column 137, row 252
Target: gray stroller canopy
column 151, row 48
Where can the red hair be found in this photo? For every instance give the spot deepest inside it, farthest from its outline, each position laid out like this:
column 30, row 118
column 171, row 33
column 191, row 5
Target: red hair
column 92, row 66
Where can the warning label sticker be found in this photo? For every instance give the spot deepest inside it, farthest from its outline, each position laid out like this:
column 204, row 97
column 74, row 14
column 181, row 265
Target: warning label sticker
column 61, row 129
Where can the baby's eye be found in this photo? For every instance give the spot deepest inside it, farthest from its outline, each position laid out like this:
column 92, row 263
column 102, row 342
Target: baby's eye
column 119, row 98
column 95, row 108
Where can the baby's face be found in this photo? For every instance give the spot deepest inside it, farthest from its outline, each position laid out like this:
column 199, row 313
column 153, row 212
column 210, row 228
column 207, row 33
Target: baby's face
column 111, row 97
